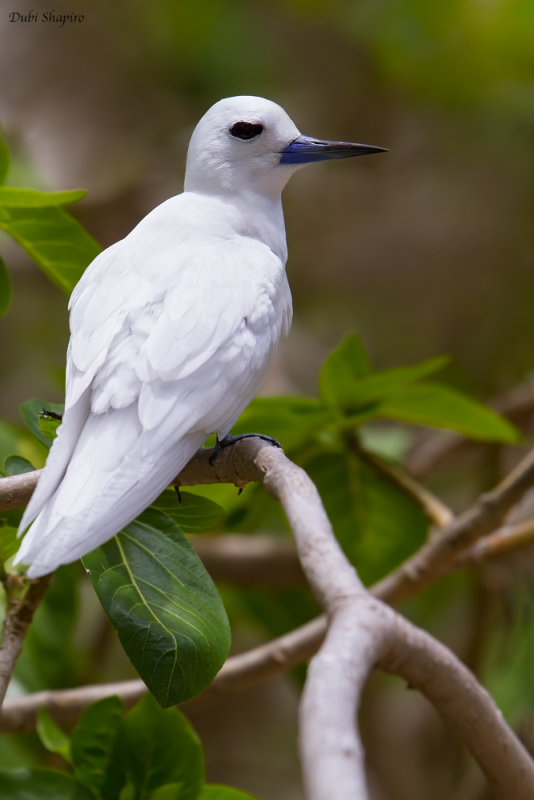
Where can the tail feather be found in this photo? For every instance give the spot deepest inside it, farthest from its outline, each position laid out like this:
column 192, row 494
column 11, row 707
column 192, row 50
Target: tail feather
column 90, row 504
column 58, row 460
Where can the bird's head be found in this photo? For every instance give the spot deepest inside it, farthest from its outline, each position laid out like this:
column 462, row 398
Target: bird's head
column 249, row 143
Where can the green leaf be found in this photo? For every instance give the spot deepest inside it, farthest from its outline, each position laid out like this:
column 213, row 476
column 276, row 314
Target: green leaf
column 165, row 607
column 378, row 523
column 32, row 414
column 161, row 748
column 291, row 420
column 355, row 394
column 442, row 407
column 16, row 465
column 95, row 750
column 196, row 514
column 345, row 363
column 509, row 657
column 13, row 197
column 41, row 784
column 17, row 440
column 51, row 735
column 5, row 288
column 4, row 158
column 213, row 792
column 9, row 544
column 57, row 243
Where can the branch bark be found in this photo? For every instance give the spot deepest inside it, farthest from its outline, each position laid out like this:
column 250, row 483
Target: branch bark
column 438, row 556
column 363, row 632
column 22, row 601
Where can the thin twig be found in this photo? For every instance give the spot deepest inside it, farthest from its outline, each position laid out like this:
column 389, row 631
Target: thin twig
column 246, row 669
column 511, row 537
column 249, row 560
column 22, row 601
column 435, row 509
column 240, row 671
column 438, row 555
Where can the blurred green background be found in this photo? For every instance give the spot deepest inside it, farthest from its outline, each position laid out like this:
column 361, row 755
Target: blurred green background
column 428, row 249
column 425, row 250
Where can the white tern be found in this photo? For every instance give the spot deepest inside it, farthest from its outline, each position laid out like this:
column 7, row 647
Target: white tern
column 172, row 330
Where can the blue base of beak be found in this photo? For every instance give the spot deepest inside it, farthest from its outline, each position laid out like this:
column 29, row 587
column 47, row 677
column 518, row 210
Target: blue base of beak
column 305, row 150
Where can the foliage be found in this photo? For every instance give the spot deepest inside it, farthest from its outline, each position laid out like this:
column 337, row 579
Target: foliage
column 152, row 585
column 54, row 240
column 118, row 757
column 164, row 606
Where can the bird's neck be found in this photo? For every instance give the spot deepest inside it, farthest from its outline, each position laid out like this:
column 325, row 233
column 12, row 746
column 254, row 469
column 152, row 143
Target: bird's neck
column 262, row 218
column 255, row 215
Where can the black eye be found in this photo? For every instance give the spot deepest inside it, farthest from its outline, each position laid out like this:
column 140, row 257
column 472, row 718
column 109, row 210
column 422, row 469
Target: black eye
column 245, row 130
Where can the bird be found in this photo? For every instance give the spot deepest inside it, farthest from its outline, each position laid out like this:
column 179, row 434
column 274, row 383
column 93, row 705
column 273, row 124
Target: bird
column 172, row 330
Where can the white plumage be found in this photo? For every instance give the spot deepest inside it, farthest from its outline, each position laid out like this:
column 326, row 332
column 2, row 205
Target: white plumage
column 172, row 331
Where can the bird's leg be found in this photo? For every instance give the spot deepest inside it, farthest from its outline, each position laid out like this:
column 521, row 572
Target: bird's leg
column 229, row 440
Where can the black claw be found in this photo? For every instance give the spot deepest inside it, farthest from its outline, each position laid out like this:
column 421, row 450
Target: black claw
column 229, row 440
column 179, row 496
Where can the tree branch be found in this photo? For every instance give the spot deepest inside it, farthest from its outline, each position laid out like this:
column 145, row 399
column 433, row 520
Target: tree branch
column 502, row 541
column 363, row 632
column 438, row 555
column 246, row 669
column 65, row 705
column 249, row 560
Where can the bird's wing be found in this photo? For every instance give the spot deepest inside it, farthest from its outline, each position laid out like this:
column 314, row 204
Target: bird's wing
column 154, row 370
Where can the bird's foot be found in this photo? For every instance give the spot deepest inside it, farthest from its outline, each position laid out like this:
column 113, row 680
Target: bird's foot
column 229, row 440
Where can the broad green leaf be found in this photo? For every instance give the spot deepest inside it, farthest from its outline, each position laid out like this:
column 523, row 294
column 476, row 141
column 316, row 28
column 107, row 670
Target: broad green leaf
column 291, row 420
column 442, row 407
column 5, row 288
column 9, row 544
column 13, row 197
column 161, row 748
column 509, row 657
column 4, row 158
column 358, row 394
column 51, row 735
column 165, row 607
column 377, row 522
column 94, row 748
column 347, row 362
column 57, row 243
column 195, row 514
column 31, row 412
column 17, row 440
column 213, row 792
column 41, row 784
column 16, row 465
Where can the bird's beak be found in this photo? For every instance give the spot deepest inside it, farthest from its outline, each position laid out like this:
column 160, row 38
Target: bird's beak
column 305, row 150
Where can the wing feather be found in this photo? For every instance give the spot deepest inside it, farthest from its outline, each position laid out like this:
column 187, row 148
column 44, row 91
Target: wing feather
column 158, row 360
